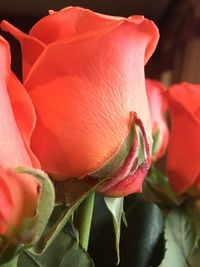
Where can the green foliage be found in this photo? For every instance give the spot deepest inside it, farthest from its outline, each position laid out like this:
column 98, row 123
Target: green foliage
column 32, row 228
column 156, row 188
column 117, row 161
column 63, row 252
column 12, row 263
column 115, row 206
column 180, row 238
column 46, row 200
column 76, row 191
column 193, row 212
column 142, row 243
column 157, row 142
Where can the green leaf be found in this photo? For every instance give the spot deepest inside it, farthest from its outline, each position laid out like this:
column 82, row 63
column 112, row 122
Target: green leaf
column 157, row 142
column 83, row 220
column 115, row 206
column 63, row 252
column 194, row 260
column 12, row 263
column 179, row 237
column 156, row 188
column 142, row 242
column 46, row 199
column 193, row 212
column 9, row 250
column 76, row 192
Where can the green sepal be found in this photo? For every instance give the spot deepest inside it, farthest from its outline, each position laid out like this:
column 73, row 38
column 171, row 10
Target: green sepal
column 156, row 188
column 115, row 206
column 46, row 202
column 32, row 227
column 157, row 141
column 76, row 192
column 117, row 161
column 10, row 251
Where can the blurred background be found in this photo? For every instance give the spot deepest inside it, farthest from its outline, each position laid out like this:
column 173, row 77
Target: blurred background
column 177, row 57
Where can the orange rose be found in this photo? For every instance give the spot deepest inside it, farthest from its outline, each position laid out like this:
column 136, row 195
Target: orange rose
column 18, row 196
column 18, row 192
column 84, row 72
column 183, row 160
column 158, row 108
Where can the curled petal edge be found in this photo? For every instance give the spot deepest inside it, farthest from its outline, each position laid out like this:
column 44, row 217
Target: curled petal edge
column 130, row 176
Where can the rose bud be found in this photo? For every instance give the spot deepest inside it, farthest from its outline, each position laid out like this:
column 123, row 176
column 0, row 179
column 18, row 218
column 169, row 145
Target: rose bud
column 158, row 108
column 84, row 72
column 183, row 159
column 18, row 192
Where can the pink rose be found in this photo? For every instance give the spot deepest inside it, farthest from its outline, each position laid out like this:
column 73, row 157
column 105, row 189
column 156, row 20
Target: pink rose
column 18, row 192
column 183, row 158
column 84, row 72
column 158, row 107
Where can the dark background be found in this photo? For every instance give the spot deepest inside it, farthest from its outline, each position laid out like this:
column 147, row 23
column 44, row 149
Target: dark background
column 153, row 9
column 179, row 26
column 177, row 57
column 24, row 13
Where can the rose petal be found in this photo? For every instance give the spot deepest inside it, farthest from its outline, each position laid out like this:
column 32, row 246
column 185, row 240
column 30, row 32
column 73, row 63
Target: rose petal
column 188, row 97
column 93, row 98
column 13, row 152
column 148, row 28
column 69, row 22
column 6, row 204
column 24, row 114
column 183, row 161
column 31, row 47
column 158, row 107
column 183, row 153
column 18, row 195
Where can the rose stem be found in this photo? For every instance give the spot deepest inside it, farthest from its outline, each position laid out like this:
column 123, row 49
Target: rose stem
column 85, row 212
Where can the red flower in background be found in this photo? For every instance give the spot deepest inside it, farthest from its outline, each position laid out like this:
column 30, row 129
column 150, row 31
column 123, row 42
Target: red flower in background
column 183, row 159
column 158, row 107
column 84, row 72
column 18, row 192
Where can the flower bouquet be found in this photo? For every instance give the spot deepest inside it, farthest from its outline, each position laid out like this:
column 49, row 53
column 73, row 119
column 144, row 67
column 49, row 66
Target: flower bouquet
column 84, row 180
